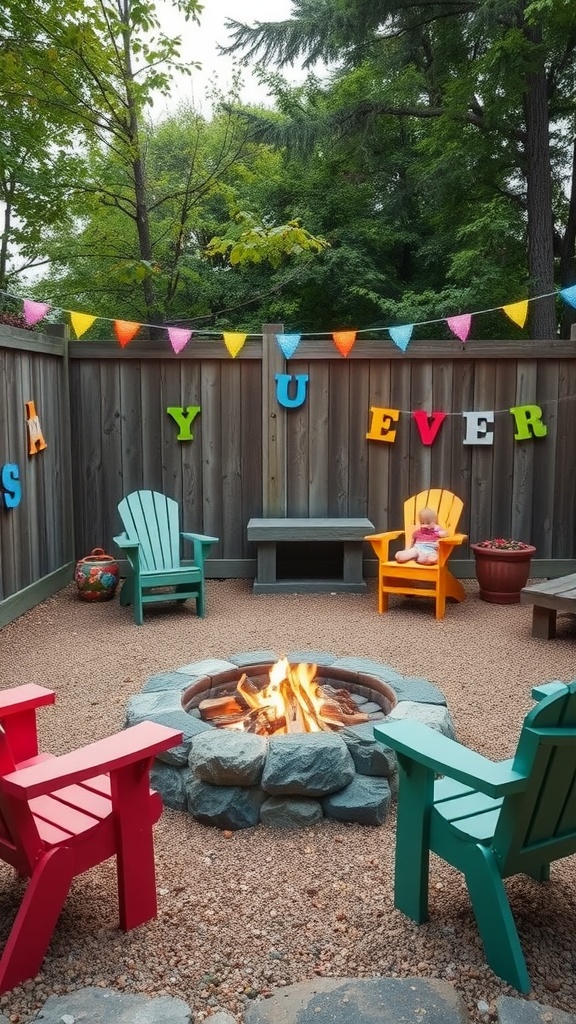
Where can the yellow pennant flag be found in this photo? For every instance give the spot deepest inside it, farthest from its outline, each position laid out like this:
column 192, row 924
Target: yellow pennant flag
column 81, row 322
column 234, row 341
column 517, row 311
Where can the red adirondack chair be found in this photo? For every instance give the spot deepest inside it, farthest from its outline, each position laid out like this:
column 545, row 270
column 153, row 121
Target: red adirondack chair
column 60, row 816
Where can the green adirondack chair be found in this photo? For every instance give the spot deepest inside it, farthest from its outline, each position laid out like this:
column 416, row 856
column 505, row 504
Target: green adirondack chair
column 489, row 820
column 152, row 546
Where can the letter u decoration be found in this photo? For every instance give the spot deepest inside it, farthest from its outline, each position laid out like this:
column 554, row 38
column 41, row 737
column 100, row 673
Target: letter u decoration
column 283, row 381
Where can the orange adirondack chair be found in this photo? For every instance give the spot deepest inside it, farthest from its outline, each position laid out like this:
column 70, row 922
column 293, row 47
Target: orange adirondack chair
column 60, row 816
column 435, row 580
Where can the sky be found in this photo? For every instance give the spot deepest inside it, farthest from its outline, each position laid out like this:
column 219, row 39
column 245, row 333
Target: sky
column 201, row 44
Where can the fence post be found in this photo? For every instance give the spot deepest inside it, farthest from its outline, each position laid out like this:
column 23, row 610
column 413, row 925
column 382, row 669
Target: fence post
column 573, row 332
column 274, row 477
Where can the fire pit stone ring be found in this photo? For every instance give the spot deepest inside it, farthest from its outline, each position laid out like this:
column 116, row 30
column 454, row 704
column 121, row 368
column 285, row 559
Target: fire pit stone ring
column 237, row 779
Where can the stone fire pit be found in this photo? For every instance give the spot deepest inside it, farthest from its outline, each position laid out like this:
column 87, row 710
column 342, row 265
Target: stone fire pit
column 235, row 780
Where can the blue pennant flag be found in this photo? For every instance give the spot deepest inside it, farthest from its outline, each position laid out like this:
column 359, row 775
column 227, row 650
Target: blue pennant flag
column 401, row 335
column 288, row 343
column 569, row 294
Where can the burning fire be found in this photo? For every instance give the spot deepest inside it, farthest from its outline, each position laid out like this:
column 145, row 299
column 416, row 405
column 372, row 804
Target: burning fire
column 293, row 701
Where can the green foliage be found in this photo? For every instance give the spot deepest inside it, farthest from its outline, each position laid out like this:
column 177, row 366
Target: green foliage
column 257, row 242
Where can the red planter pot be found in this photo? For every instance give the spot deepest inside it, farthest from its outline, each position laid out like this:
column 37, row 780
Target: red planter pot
column 502, row 574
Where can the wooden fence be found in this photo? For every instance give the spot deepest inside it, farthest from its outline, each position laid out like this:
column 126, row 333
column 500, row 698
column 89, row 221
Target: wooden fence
column 251, row 456
column 37, row 535
column 103, row 413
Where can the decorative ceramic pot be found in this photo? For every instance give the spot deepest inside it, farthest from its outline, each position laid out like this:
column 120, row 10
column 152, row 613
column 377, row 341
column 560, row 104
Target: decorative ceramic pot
column 502, row 573
column 97, row 576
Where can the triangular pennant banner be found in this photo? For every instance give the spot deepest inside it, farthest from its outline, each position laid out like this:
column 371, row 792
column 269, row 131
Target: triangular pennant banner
column 34, row 311
column 81, row 322
column 288, row 344
column 460, row 325
column 125, row 330
column 569, row 294
column 234, row 341
column 344, row 341
column 517, row 311
column 179, row 338
column 401, row 335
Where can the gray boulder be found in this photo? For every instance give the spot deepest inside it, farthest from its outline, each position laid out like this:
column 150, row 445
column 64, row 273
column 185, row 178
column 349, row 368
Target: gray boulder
column 226, row 807
column 165, row 681
column 519, row 1011
column 170, row 783
column 365, row 800
column 164, row 707
column 370, row 757
column 313, row 764
column 436, row 716
column 228, row 758
column 290, row 812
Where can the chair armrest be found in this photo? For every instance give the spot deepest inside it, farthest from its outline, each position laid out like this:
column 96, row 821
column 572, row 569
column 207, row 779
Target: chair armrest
column 447, row 544
column 381, row 542
column 547, row 689
column 201, row 544
column 447, row 757
column 24, row 698
column 138, row 743
column 123, row 541
column 18, row 718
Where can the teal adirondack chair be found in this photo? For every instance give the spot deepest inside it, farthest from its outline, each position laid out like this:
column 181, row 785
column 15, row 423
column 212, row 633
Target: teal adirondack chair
column 489, row 820
column 152, row 546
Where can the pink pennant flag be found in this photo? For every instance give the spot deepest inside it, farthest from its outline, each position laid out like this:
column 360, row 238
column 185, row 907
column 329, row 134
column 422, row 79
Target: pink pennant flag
column 179, row 338
column 34, row 311
column 460, row 325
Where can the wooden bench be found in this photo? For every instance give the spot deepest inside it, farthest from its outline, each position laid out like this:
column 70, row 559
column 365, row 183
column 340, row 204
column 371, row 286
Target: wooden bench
column 267, row 533
column 548, row 598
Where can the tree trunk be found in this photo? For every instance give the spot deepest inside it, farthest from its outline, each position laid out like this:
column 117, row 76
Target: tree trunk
column 138, row 171
column 568, row 254
column 8, row 195
column 539, row 198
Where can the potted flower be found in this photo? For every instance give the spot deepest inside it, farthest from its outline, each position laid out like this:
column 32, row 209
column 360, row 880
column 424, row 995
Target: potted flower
column 502, row 568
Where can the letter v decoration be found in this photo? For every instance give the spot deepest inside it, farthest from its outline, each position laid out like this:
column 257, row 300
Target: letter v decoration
column 283, row 381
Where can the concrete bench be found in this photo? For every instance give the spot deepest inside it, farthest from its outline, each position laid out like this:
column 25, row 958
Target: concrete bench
column 548, row 598
column 267, row 533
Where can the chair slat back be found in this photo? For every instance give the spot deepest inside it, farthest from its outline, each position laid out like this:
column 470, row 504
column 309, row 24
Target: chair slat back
column 539, row 825
column 20, row 844
column 448, row 508
column 153, row 520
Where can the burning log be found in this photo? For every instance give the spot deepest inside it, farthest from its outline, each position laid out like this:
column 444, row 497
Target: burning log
column 293, row 701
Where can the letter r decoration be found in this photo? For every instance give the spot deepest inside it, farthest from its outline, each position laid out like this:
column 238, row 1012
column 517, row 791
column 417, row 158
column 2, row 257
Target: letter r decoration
column 36, row 442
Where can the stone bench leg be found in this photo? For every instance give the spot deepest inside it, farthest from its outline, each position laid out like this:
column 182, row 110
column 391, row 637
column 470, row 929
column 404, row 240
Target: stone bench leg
column 266, row 561
column 353, row 561
column 544, row 623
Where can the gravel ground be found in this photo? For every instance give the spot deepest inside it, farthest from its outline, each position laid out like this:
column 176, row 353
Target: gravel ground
column 242, row 913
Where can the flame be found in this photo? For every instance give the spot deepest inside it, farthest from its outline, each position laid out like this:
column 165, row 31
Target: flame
column 291, row 702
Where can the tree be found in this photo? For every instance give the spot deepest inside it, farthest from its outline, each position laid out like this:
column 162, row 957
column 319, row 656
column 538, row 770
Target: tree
column 92, row 68
column 498, row 72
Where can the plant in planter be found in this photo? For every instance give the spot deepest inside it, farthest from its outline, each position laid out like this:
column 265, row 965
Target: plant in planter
column 502, row 568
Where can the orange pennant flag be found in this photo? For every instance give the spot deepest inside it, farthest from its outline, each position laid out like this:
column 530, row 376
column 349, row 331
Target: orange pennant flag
column 344, row 341
column 517, row 311
column 81, row 322
column 234, row 341
column 125, row 330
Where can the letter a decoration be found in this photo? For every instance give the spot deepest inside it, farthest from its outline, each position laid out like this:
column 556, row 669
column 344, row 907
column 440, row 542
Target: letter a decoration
column 36, row 442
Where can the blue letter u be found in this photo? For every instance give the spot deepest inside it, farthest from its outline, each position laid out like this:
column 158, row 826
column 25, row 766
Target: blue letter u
column 282, row 385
